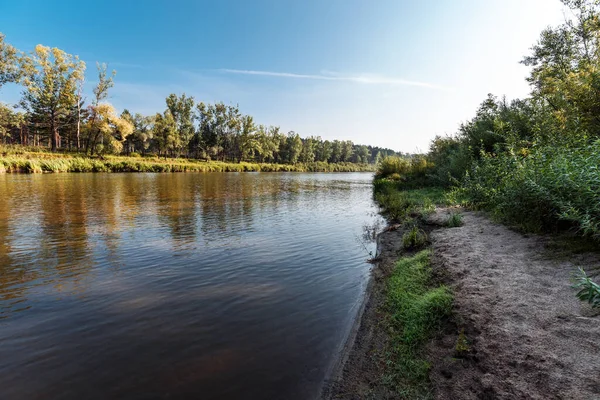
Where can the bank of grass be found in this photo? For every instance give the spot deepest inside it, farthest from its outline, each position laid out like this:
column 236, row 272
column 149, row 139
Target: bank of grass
column 417, row 309
column 25, row 161
column 399, row 204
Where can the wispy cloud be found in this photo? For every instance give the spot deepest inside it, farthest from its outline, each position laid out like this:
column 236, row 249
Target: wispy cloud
column 368, row 79
column 127, row 65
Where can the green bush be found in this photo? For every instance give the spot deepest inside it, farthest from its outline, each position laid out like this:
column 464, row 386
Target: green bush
column 451, row 159
column 551, row 187
column 392, row 165
column 410, row 173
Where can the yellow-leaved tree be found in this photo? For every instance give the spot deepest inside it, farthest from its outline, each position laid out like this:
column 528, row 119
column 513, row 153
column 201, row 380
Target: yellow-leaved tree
column 106, row 130
column 9, row 67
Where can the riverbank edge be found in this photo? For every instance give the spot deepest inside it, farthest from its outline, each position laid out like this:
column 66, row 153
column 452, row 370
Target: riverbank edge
column 364, row 335
column 335, row 374
column 62, row 163
column 360, row 370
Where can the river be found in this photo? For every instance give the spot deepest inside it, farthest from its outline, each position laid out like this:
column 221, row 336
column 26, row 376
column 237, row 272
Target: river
column 169, row 286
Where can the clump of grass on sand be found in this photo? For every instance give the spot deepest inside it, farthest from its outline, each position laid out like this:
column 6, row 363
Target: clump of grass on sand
column 414, row 238
column 416, row 311
column 454, row 220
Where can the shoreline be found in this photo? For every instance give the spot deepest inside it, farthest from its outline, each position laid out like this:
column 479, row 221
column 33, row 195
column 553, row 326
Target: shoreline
column 488, row 346
column 335, row 371
column 69, row 163
column 353, row 358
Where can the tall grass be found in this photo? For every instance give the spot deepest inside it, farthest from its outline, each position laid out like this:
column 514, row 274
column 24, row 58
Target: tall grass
column 412, row 172
column 17, row 159
column 416, row 312
column 399, row 204
column 414, row 238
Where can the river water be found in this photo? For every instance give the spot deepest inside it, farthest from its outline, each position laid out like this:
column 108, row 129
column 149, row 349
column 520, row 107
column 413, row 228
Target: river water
column 169, row 286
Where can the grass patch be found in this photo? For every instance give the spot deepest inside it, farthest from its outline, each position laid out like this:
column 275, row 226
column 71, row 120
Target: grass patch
column 399, row 204
column 416, row 313
column 414, row 238
column 454, row 220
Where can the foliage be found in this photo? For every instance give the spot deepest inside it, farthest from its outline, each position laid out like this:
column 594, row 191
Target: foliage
column 550, row 188
column 412, row 172
column 450, row 159
column 9, row 68
column 416, row 312
column 107, row 125
column 50, row 78
column 565, row 69
column 589, row 291
column 10, row 120
column 414, row 238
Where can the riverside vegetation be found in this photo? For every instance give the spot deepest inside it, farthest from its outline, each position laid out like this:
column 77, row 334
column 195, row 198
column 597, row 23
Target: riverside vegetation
column 53, row 115
column 32, row 160
column 531, row 163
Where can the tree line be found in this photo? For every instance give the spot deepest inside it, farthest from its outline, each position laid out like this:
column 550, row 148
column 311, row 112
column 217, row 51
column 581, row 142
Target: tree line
column 54, row 113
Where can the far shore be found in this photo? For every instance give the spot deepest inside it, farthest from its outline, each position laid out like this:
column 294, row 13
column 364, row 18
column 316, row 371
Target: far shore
column 43, row 162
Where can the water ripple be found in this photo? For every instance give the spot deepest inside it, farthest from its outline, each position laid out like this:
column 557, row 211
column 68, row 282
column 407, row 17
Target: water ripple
column 177, row 285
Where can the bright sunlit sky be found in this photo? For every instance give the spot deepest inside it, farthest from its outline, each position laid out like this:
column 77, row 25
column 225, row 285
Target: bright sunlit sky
column 391, row 73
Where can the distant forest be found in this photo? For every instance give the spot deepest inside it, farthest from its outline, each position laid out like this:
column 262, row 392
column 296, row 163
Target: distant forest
column 54, row 113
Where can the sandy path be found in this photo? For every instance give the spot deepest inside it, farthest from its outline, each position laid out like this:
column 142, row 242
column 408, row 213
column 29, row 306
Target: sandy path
column 530, row 337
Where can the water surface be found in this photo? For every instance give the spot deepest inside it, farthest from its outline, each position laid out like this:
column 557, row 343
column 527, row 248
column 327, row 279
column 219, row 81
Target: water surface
column 166, row 286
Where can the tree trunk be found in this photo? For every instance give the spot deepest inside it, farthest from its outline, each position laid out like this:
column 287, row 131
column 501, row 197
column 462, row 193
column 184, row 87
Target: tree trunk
column 53, row 133
column 78, row 128
column 78, row 119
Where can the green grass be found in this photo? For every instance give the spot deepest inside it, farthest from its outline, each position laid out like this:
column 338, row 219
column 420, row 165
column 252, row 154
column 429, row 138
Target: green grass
column 13, row 159
column 399, row 204
column 454, row 220
column 416, row 313
column 414, row 238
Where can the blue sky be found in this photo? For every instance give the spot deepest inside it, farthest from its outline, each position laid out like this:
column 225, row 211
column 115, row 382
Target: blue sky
column 391, row 73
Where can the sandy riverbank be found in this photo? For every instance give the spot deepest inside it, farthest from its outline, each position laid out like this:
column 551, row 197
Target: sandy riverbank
column 528, row 336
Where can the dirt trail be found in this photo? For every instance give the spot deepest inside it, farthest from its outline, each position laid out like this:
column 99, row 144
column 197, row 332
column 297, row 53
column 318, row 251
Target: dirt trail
column 530, row 337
